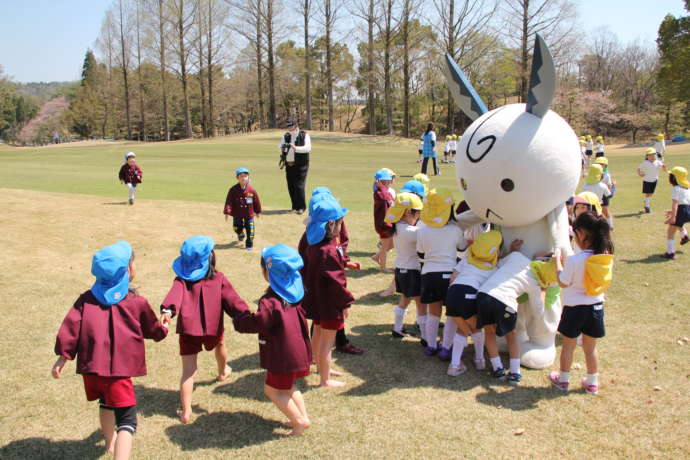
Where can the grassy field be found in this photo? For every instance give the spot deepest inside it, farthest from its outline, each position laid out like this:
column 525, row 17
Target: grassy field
column 63, row 203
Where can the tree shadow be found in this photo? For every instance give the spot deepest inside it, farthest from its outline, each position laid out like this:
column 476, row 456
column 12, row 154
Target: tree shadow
column 42, row 448
column 518, row 398
column 239, row 429
column 361, row 253
column 275, row 212
column 231, row 245
column 115, row 203
column 651, row 259
column 374, row 299
column 632, row 214
column 157, row 401
column 361, row 273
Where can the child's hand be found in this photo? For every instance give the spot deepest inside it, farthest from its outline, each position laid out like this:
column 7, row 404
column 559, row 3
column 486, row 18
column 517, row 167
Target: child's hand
column 353, row 265
column 57, row 367
column 516, row 245
column 165, row 319
column 226, row 218
column 258, row 215
column 346, row 313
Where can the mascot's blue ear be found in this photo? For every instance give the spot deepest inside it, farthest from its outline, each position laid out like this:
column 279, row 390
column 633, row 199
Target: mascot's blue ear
column 466, row 97
column 542, row 83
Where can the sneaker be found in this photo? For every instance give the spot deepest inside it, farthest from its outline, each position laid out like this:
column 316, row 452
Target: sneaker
column 350, row 349
column 590, row 389
column 444, row 354
column 647, row 209
column 514, row 379
column 669, row 255
column 131, row 201
column 455, row 371
column 499, row 374
column 556, row 383
column 429, row 351
column 684, row 240
column 402, row 334
column 240, row 236
column 480, row 364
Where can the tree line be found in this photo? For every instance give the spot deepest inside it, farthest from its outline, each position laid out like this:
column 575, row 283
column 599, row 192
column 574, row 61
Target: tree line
column 172, row 69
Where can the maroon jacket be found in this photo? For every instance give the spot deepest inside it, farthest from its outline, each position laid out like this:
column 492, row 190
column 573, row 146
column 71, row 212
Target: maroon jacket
column 200, row 305
column 325, row 284
column 284, row 345
column 242, row 203
column 343, row 239
column 130, row 174
column 109, row 340
column 382, row 201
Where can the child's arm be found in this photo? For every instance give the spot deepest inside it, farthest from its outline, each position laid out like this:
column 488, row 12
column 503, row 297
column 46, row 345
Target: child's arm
column 564, row 276
column 230, row 301
column 121, row 174
column 151, row 328
column 380, row 206
column 172, row 301
column 67, row 341
column 227, row 210
column 252, row 323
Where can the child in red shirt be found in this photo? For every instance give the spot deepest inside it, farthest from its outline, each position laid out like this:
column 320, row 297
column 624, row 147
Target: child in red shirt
column 383, row 199
column 130, row 174
column 242, row 203
column 284, row 346
column 105, row 331
column 199, row 295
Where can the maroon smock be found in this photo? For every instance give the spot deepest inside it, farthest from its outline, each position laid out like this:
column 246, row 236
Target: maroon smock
column 284, row 346
column 200, row 305
column 382, row 201
column 242, row 203
column 130, row 174
column 343, row 239
column 325, row 284
column 109, row 340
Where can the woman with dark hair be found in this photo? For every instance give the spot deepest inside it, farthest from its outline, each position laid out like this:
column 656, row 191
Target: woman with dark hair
column 429, row 149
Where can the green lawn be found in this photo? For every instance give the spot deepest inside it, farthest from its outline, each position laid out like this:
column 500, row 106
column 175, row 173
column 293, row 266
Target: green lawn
column 62, row 203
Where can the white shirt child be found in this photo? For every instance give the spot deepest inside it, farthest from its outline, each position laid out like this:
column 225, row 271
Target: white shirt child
column 681, row 195
column 512, row 279
column 599, row 189
column 650, row 170
column 469, row 275
column 573, row 274
column 440, row 247
column 405, row 242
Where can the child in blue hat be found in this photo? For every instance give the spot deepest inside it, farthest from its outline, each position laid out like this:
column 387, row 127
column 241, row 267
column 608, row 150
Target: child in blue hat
column 284, row 347
column 199, row 296
column 242, row 203
column 383, row 199
column 105, row 332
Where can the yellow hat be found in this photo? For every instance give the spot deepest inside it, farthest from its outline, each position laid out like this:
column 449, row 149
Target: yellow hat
column 437, row 206
column 590, row 199
column 449, row 136
column 589, row 138
column 484, row 250
column 594, row 174
column 681, row 175
column 583, row 138
column 544, row 272
column 403, row 202
column 650, row 151
column 598, row 274
column 602, row 161
column 424, row 179
column 600, row 139
column 660, row 137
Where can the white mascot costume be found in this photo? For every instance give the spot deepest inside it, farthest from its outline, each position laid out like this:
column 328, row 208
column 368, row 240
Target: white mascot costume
column 517, row 165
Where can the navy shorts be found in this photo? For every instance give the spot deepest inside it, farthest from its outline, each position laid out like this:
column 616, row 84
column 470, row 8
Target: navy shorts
column 599, row 154
column 493, row 311
column 648, row 187
column 585, row 319
column 682, row 215
column 605, row 200
column 461, row 301
column 408, row 282
column 435, row 286
column 588, row 153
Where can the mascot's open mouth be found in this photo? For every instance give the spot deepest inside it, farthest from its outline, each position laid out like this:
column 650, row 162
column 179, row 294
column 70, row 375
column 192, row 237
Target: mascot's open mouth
column 489, row 211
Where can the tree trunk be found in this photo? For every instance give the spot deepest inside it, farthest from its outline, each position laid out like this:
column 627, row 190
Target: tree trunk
column 259, row 65
column 329, row 70
column 183, row 71
column 271, row 66
column 370, row 70
column 209, row 71
column 142, row 115
column 164, row 91
column 387, row 66
column 451, row 51
column 524, row 56
column 406, row 68
column 124, row 72
column 307, row 64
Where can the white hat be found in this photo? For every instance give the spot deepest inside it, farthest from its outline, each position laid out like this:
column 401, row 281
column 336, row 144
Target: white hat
column 130, row 155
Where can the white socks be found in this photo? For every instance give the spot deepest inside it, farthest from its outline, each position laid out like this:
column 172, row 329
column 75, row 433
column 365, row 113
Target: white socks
column 496, row 363
column 478, row 339
column 592, row 379
column 399, row 318
column 514, row 365
column 671, row 246
column 449, row 331
column 459, row 342
column 421, row 322
column 432, row 330
column 564, row 377
column 132, row 191
column 647, row 201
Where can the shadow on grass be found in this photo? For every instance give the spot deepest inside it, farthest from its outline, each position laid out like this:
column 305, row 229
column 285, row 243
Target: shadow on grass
column 361, row 273
column 231, row 245
column 275, row 212
column 225, row 430
column 116, row 203
column 632, row 214
column 374, row 299
column 361, row 253
column 42, row 448
column 651, row 259
column 518, row 398
column 156, row 401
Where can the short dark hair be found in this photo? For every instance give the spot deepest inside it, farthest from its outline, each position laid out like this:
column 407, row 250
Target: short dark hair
column 672, row 179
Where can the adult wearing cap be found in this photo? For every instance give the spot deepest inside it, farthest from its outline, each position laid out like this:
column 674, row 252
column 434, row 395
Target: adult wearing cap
column 295, row 146
column 680, row 210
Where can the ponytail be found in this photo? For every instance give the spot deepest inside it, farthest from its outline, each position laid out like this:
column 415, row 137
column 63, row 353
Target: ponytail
column 598, row 232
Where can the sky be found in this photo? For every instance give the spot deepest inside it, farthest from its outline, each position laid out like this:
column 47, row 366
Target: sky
column 45, row 40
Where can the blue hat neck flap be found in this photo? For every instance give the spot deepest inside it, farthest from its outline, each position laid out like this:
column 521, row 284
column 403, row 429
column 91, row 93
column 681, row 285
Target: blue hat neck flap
column 283, row 264
column 110, row 267
column 193, row 263
column 323, row 211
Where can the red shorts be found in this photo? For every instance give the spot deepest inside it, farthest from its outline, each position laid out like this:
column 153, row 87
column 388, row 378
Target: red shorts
column 284, row 381
column 331, row 324
column 191, row 344
column 384, row 234
column 112, row 391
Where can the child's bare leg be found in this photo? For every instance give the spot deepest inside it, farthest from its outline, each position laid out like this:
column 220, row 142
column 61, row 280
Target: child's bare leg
column 490, row 340
column 315, row 340
column 390, row 290
column 324, row 359
column 591, row 356
column 107, row 418
column 123, row 445
column 222, row 360
column 187, row 387
column 567, row 350
column 283, row 399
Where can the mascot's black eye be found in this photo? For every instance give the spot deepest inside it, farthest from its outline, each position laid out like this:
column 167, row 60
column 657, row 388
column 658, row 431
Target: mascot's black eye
column 463, row 184
column 507, row 185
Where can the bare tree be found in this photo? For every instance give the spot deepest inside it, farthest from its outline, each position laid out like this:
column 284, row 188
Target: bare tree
column 368, row 11
column 106, row 45
column 305, row 10
column 329, row 14
column 142, row 115
column 158, row 31
column 216, row 16
column 183, row 15
column 123, row 38
column 200, row 48
column 268, row 19
column 386, row 31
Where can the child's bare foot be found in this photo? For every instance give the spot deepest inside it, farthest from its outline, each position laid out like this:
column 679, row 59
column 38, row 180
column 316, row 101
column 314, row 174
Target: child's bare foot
column 332, row 383
column 387, row 293
column 110, row 449
column 226, row 373
column 184, row 416
column 299, row 428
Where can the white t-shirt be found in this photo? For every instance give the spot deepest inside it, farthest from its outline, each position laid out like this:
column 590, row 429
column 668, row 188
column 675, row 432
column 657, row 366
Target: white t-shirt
column 405, row 241
column 469, row 275
column 590, row 145
column 512, row 279
column 446, row 146
column 440, row 247
column 606, row 179
column 421, row 145
column 680, row 194
column 600, row 147
column 660, row 146
column 650, row 170
column 573, row 274
column 599, row 189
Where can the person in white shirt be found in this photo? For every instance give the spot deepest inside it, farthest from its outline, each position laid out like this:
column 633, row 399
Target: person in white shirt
column 446, row 148
column 420, row 150
column 599, row 147
column 438, row 243
column 679, row 215
column 649, row 172
column 454, row 148
column 589, row 148
column 660, row 145
column 295, row 146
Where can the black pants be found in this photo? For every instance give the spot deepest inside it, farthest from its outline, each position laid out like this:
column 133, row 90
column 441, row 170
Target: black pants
column 296, row 176
column 425, row 163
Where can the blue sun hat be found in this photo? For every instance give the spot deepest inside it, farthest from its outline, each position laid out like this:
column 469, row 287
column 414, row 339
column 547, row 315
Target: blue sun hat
column 321, row 191
column 323, row 211
column 383, row 174
column 414, row 186
column 318, row 194
column 110, row 267
column 239, row 171
column 192, row 265
column 283, row 264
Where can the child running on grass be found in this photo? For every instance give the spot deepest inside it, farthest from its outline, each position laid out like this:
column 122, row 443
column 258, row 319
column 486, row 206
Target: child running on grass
column 584, row 278
column 242, row 203
column 679, row 215
column 649, row 171
column 284, row 348
column 383, row 199
column 105, row 332
column 130, row 174
column 198, row 296
column 610, row 182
